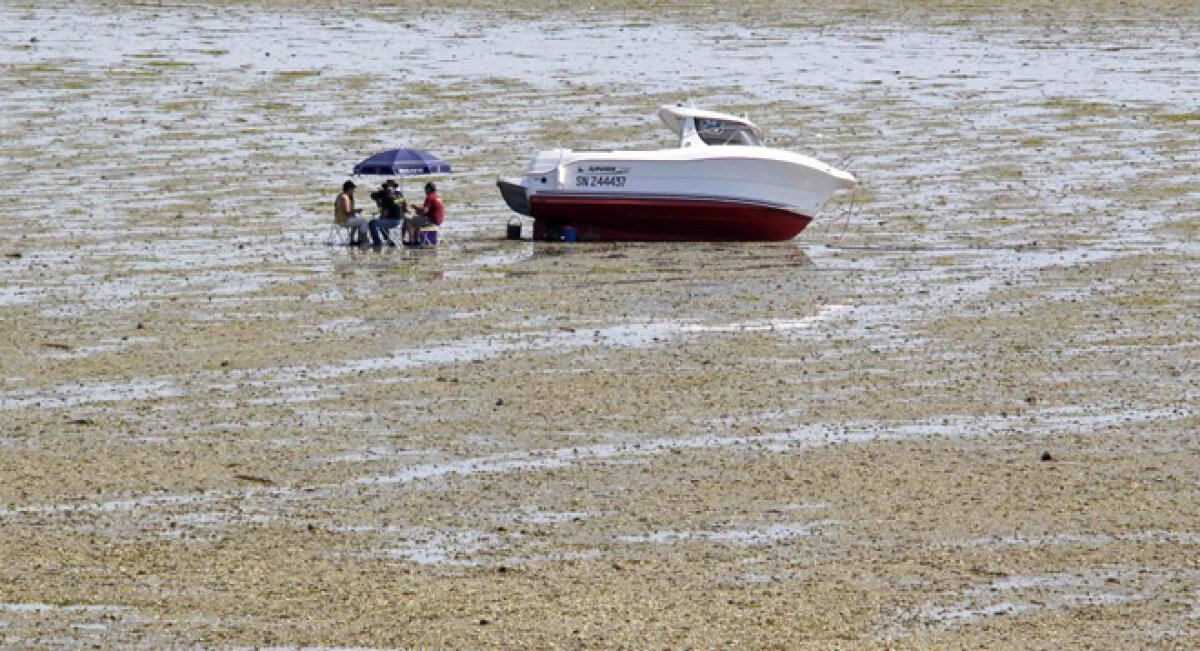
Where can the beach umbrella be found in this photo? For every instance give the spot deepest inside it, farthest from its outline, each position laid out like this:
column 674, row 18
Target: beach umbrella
column 402, row 162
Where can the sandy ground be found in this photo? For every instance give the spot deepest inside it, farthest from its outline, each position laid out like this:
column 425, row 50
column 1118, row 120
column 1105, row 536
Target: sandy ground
column 962, row 412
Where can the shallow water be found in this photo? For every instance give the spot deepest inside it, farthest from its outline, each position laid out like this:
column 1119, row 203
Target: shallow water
column 188, row 367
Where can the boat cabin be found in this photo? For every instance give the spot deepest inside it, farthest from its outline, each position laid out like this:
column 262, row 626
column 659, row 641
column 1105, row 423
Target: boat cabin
column 699, row 128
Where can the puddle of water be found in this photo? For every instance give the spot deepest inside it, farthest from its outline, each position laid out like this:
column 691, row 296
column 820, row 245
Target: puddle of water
column 91, row 393
column 125, row 504
column 534, row 516
column 966, row 612
column 368, row 455
column 1173, row 537
column 44, row 608
column 743, row 538
column 770, row 325
column 1021, row 594
column 555, row 557
column 434, row 547
column 12, row 296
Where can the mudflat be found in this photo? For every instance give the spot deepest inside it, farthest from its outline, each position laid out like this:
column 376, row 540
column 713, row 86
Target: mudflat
column 959, row 410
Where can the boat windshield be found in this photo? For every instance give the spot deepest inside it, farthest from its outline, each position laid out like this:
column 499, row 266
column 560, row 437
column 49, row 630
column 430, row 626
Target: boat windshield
column 726, row 132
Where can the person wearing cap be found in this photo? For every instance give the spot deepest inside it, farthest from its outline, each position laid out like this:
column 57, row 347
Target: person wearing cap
column 432, row 213
column 347, row 216
column 392, row 208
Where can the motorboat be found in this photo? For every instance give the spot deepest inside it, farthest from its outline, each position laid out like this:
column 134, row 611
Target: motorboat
column 720, row 184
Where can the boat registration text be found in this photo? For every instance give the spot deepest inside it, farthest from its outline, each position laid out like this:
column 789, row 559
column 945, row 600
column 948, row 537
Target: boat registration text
column 600, row 176
column 599, row 181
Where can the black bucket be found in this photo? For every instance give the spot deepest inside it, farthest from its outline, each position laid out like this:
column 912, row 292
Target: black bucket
column 514, row 229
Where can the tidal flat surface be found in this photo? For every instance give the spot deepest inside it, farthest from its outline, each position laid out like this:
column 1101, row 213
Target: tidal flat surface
column 960, row 409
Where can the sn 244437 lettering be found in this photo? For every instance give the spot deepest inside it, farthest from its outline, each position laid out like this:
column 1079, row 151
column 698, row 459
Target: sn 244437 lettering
column 600, row 181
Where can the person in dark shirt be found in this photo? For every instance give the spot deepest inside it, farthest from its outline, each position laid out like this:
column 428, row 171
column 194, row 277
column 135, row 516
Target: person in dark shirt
column 392, row 208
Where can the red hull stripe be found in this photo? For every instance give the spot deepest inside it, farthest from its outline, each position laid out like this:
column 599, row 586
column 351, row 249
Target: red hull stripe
column 663, row 219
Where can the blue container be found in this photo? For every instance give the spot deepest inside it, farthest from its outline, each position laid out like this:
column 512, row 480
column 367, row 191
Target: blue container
column 569, row 234
column 428, row 237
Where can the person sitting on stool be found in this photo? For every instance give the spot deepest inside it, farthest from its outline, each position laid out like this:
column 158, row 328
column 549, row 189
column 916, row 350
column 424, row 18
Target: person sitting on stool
column 347, row 216
column 391, row 213
column 433, row 213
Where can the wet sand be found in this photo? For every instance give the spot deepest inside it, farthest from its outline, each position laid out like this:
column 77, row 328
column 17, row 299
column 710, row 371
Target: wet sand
column 960, row 412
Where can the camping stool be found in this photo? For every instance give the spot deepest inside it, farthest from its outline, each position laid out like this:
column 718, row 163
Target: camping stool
column 427, row 236
column 338, row 234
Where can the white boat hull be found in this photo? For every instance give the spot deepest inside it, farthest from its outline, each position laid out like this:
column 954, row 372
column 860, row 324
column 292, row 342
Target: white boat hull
column 689, row 193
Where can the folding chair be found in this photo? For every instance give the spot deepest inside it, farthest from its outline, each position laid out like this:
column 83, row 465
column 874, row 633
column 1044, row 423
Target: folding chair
column 394, row 235
column 338, row 234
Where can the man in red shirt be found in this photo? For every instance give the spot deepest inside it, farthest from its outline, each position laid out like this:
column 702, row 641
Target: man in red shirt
column 433, row 213
column 433, row 210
